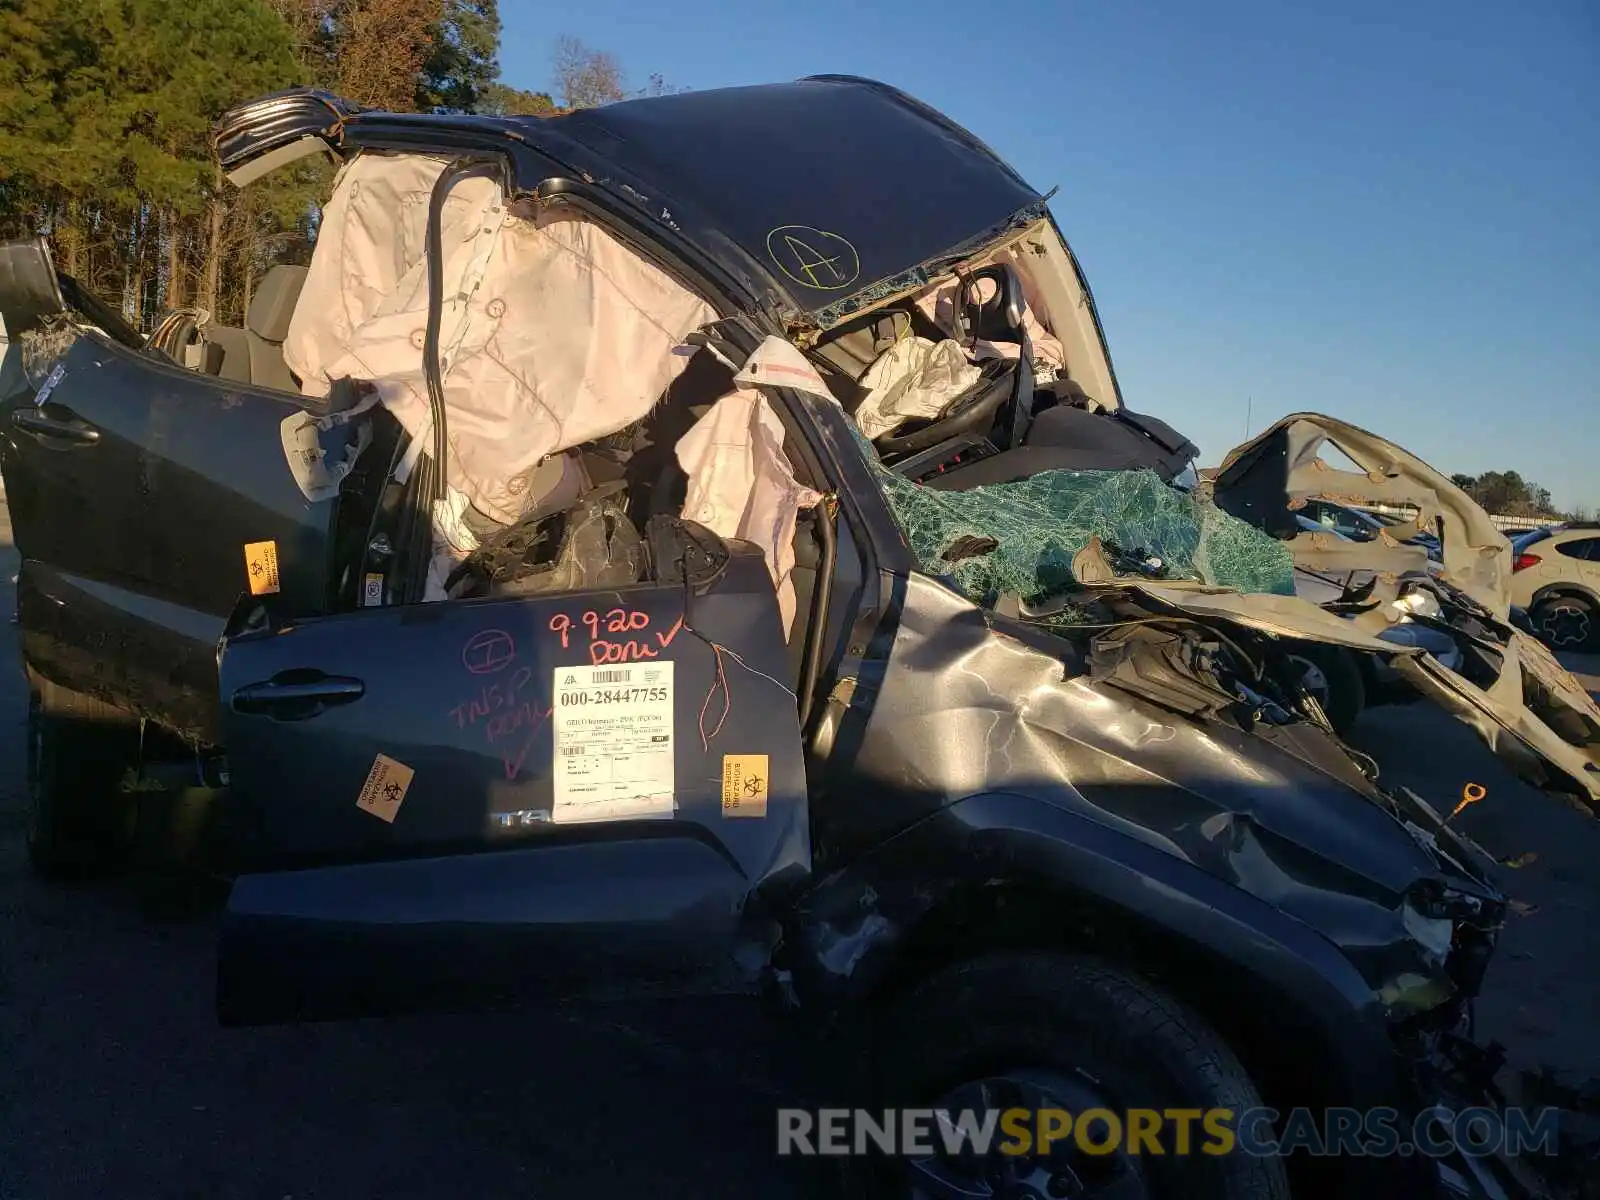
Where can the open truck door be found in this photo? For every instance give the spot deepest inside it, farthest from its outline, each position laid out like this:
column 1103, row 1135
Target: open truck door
column 435, row 804
column 513, row 796
column 137, row 489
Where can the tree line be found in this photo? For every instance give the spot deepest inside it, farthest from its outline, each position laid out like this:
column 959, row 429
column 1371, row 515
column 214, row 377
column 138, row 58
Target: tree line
column 107, row 106
column 1508, row 494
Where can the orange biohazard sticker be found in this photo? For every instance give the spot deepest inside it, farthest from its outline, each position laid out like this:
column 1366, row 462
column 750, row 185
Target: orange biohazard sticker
column 385, row 789
column 261, row 567
column 744, row 785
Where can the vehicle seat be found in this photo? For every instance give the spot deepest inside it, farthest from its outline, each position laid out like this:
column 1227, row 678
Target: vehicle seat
column 992, row 415
column 994, row 313
column 656, row 483
column 254, row 354
column 226, row 352
column 267, row 324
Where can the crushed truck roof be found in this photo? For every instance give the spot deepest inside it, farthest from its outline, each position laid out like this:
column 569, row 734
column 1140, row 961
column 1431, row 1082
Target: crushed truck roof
column 863, row 187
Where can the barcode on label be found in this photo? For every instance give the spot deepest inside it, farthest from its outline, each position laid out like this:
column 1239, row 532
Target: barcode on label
column 572, row 751
column 612, row 676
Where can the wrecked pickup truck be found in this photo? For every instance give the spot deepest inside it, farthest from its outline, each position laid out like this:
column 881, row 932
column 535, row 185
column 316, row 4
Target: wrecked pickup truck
column 698, row 546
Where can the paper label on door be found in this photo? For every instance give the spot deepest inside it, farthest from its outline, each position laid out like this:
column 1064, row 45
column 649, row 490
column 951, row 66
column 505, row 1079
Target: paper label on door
column 372, row 591
column 261, row 567
column 613, row 742
column 385, row 789
column 744, row 785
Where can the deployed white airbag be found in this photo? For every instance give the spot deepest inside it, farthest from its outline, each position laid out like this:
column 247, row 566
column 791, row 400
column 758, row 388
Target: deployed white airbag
column 740, row 482
column 553, row 332
column 369, row 263
column 913, row 379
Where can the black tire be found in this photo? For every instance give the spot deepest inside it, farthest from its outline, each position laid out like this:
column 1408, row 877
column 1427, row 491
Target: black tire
column 1566, row 623
column 79, row 819
column 1023, row 1013
column 1343, row 695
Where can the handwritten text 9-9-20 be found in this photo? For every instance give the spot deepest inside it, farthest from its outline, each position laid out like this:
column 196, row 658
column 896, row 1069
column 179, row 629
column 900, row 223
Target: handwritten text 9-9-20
column 604, row 630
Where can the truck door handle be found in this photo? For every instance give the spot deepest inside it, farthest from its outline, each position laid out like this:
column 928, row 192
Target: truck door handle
column 295, row 695
column 69, row 429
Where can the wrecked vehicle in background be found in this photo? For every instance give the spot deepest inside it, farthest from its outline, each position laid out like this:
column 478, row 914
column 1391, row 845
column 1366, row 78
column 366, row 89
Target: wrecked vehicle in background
column 1501, row 681
column 1347, row 682
column 1364, row 525
column 538, row 599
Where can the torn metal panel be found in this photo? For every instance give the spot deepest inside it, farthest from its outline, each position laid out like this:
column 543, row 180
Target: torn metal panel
column 1281, row 616
column 1267, row 478
column 1535, row 717
column 1528, row 708
column 1383, row 557
column 1510, row 690
column 261, row 135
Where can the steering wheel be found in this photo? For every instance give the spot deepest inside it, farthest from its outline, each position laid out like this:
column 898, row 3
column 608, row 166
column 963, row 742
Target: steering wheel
column 971, row 412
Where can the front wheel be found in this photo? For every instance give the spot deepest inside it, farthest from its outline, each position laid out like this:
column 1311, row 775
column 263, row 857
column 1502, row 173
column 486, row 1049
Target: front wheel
column 1055, row 1034
column 1332, row 677
column 79, row 819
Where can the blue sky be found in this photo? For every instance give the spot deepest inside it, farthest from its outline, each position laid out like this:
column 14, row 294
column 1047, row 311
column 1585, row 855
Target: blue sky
column 1386, row 212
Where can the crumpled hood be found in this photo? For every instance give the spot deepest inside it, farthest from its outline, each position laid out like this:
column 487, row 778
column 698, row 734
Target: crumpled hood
column 1136, row 723
column 1528, row 708
column 1532, row 713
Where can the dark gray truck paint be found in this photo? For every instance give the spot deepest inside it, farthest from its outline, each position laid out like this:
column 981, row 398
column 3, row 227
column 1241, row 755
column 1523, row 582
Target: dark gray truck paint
column 1075, row 793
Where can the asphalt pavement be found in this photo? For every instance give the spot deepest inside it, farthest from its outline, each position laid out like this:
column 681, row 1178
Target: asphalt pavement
column 115, row 1080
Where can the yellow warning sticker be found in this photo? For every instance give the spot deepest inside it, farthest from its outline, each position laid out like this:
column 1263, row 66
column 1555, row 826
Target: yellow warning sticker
column 261, row 567
column 385, row 789
column 744, row 785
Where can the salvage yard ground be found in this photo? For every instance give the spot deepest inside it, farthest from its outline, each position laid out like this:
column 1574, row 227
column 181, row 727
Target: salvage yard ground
column 117, row 1082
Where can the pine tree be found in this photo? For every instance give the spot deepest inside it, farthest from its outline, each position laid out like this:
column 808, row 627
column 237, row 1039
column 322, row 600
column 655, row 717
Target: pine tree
column 107, row 109
column 463, row 65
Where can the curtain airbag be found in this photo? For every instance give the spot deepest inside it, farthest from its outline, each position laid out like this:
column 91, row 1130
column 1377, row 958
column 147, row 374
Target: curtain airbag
column 553, row 332
column 740, row 482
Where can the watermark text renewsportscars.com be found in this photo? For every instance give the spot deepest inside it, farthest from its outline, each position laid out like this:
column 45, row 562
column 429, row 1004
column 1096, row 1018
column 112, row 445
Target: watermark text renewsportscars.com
column 1377, row 1132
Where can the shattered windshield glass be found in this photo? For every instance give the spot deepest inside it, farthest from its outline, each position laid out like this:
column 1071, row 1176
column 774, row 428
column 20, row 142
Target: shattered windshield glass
column 1020, row 538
